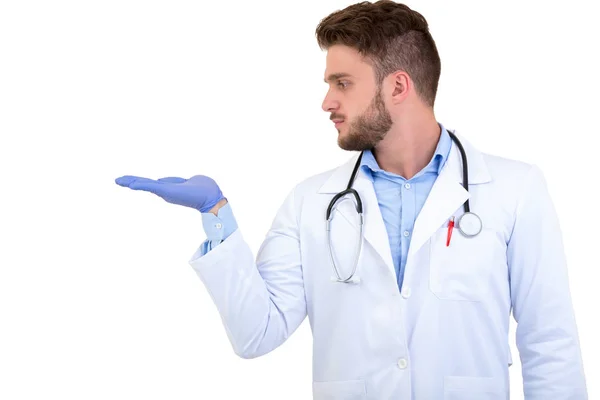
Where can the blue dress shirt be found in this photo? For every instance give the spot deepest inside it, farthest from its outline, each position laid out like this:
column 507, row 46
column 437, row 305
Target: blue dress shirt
column 400, row 201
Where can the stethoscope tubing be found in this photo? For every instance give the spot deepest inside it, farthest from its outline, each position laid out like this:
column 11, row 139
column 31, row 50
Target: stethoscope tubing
column 359, row 209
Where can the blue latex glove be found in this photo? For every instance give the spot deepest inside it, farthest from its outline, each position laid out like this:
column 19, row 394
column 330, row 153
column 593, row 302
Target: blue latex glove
column 199, row 192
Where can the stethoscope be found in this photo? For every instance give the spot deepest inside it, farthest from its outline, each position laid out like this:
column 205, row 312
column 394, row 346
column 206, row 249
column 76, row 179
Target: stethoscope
column 469, row 223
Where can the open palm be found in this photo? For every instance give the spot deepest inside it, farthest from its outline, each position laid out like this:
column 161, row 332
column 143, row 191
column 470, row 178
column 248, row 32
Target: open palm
column 199, row 192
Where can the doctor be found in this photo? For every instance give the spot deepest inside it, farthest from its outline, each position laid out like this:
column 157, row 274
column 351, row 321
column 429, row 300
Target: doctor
column 414, row 303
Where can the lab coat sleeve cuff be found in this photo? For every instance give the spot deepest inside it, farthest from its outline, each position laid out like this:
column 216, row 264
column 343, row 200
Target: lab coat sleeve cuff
column 219, row 227
column 204, row 248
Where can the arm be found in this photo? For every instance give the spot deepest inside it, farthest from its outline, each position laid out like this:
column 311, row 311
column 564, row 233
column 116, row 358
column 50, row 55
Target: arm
column 546, row 336
column 261, row 302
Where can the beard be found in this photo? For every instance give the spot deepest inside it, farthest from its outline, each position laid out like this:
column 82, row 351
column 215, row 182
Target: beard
column 369, row 128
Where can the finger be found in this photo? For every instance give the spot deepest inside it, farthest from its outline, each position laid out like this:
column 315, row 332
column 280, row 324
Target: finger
column 149, row 185
column 127, row 180
column 172, row 179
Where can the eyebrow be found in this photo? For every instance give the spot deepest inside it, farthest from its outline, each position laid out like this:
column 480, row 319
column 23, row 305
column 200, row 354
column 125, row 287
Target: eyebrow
column 336, row 76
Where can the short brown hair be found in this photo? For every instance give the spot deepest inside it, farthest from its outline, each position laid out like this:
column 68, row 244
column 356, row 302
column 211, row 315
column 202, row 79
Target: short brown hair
column 389, row 35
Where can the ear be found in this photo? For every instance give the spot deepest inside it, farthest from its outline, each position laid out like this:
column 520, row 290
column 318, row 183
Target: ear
column 401, row 83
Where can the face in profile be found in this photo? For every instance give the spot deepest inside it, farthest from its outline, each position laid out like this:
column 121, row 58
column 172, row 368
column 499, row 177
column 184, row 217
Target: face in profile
column 354, row 100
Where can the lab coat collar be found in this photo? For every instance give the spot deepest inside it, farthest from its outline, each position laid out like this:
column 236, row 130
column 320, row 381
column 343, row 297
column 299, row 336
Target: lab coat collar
column 446, row 196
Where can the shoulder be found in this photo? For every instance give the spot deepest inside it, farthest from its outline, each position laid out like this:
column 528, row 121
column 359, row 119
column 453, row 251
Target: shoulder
column 510, row 178
column 514, row 180
column 500, row 166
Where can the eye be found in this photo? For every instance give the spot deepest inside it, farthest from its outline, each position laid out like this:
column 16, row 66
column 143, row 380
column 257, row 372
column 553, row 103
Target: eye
column 343, row 84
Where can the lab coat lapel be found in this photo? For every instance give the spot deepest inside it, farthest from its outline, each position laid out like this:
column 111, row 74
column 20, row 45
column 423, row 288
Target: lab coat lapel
column 374, row 226
column 374, row 230
column 448, row 193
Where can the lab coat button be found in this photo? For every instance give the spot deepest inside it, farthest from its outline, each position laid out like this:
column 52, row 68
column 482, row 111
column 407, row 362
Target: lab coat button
column 402, row 363
column 406, row 292
column 218, row 225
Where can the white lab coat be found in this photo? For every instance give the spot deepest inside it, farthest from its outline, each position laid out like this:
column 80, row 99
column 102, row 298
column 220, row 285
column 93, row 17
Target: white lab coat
column 445, row 336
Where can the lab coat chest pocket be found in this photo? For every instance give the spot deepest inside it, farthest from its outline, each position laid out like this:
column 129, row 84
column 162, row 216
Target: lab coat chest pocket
column 461, row 271
column 340, row 390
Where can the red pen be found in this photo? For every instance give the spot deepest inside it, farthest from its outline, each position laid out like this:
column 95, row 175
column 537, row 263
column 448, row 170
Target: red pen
column 450, row 229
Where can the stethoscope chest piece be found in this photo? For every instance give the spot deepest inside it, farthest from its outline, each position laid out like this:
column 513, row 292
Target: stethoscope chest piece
column 469, row 224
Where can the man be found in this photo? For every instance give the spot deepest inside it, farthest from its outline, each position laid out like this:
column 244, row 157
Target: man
column 417, row 309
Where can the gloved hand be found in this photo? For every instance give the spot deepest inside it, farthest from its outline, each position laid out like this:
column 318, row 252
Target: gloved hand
column 199, row 192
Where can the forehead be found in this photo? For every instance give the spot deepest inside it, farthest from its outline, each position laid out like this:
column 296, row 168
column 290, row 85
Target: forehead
column 346, row 60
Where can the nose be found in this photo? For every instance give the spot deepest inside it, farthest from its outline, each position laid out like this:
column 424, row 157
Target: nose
column 330, row 103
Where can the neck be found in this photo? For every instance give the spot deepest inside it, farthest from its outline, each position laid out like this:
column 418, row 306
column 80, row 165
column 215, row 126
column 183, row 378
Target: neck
column 409, row 145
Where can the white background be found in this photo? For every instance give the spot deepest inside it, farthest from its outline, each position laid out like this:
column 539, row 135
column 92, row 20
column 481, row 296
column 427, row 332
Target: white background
column 97, row 300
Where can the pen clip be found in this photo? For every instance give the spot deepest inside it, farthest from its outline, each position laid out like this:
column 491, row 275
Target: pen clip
column 450, row 229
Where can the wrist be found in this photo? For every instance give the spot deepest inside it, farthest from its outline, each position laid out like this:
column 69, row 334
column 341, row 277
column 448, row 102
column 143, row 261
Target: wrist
column 217, row 206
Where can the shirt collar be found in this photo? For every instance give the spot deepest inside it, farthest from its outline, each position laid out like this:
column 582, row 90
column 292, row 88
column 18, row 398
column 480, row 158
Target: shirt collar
column 369, row 164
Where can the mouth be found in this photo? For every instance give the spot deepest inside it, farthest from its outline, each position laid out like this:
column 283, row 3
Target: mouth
column 337, row 123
